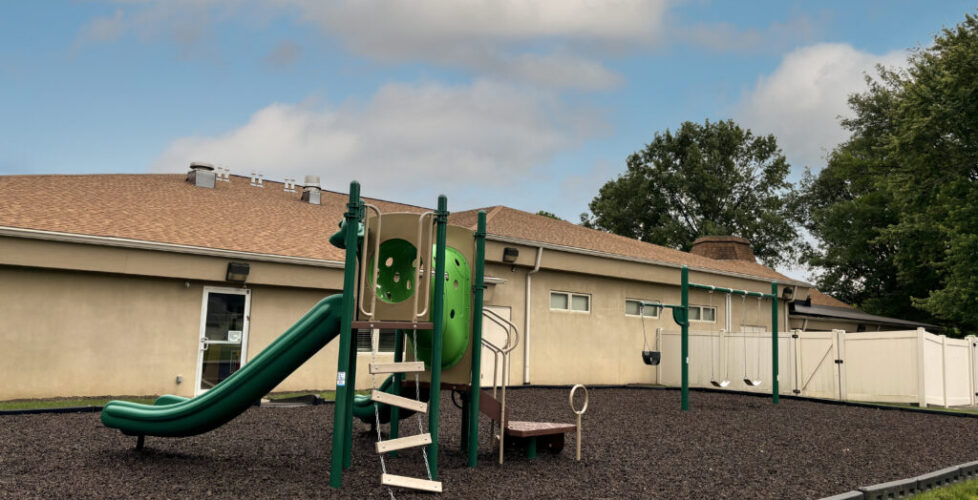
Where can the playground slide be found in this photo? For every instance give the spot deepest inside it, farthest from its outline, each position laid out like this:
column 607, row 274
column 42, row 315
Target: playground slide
column 173, row 416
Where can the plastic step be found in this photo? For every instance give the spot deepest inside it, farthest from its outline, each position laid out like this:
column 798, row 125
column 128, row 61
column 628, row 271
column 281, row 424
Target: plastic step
column 398, row 401
column 410, row 482
column 406, row 367
column 404, row 442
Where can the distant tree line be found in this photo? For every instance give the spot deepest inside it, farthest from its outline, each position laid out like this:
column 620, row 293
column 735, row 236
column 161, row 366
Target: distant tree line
column 893, row 215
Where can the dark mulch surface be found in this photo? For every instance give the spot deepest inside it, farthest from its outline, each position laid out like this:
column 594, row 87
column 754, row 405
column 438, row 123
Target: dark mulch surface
column 636, row 445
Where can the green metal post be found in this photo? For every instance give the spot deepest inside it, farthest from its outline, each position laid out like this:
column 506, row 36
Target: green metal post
column 477, row 289
column 396, row 386
column 775, row 390
column 437, row 312
column 351, row 389
column 685, row 339
column 343, row 412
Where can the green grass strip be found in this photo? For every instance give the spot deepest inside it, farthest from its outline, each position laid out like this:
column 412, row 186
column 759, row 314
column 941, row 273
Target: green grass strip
column 966, row 489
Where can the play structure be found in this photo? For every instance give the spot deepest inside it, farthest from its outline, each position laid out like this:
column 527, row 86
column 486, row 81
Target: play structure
column 680, row 314
column 412, row 273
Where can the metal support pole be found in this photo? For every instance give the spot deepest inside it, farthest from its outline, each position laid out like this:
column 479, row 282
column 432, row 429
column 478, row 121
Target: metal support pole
column 775, row 396
column 343, row 413
column 684, row 324
column 437, row 312
column 478, row 289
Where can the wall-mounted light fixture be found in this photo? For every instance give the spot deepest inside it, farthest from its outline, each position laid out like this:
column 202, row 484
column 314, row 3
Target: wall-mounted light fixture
column 788, row 293
column 237, row 271
column 510, row 255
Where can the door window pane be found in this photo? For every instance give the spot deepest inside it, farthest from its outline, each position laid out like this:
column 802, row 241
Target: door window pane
column 225, row 313
column 558, row 300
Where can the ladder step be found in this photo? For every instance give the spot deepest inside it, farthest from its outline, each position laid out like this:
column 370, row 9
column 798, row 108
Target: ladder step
column 404, row 442
column 410, row 482
column 398, row 401
column 406, row 367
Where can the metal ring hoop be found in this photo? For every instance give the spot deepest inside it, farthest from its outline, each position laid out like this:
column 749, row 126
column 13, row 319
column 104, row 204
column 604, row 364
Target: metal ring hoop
column 571, row 399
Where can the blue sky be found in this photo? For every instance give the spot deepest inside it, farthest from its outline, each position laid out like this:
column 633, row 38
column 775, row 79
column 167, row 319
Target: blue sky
column 528, row 104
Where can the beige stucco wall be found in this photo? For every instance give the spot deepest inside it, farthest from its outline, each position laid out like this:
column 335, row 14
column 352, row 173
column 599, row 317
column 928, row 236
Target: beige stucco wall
column 604, row 346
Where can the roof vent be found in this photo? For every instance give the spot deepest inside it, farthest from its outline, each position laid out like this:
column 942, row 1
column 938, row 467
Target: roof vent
column 223, row 174
column 201, row 174
column 256, row 179
column 289, row 185
column 723, row 248
column 311, row 190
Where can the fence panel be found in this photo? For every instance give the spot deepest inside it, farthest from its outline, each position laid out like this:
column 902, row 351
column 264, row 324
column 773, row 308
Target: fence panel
column 933, row 363
column 957, row 366
column 817, row 375
column 882, row 366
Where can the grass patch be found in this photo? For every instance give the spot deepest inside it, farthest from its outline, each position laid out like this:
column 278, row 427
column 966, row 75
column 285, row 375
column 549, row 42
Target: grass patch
column 966, row 489
column 970, row 411
column 40, row 404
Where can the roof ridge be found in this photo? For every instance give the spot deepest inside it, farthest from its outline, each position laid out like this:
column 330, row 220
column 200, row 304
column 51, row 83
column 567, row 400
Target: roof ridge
column 492, row 213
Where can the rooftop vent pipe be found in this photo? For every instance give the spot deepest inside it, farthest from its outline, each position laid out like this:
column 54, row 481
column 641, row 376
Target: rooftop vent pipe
column 256, row 180
column 289, row 186
column 311, row 190
column 201, row 174
column 223, row 174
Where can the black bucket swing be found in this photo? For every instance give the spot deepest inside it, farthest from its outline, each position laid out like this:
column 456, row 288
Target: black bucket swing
column 651, row 358
column 757, row 358
column 713, row 357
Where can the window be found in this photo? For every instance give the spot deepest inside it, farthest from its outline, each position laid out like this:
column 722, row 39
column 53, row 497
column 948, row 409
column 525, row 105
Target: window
column 567, row 301
column 634, row 308
column 386, row 341
column 703, row 313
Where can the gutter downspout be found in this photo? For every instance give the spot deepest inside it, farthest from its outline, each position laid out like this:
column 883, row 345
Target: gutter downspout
column 526, row 320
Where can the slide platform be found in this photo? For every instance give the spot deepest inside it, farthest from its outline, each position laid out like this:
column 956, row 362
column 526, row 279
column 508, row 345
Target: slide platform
column 174, row 416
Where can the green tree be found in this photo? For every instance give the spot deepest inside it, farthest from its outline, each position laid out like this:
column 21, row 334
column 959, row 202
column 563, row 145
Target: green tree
column 896, row 209
column 705, row 179
column 548, row 214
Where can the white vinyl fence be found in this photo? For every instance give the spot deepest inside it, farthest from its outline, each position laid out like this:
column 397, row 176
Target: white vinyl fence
column 890, row 367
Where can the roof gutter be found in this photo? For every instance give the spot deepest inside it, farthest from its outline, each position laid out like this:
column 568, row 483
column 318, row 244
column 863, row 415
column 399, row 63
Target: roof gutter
column 607, row 255
column 526, row 319
column 85, row 239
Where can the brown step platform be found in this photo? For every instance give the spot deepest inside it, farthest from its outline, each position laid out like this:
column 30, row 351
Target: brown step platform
column 530, row 429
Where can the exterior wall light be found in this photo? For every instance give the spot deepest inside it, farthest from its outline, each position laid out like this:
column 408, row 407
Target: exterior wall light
column 237, row 271
column 510, row 255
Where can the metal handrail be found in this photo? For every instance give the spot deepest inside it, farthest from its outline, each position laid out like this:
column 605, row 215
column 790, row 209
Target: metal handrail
column 363, row 263
column 424, row 249
column 499, row 379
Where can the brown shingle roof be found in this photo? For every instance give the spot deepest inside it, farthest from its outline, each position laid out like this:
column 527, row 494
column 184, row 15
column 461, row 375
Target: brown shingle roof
column 167, row 209
column 512, row 223
column 235, row 216
column 823, row 299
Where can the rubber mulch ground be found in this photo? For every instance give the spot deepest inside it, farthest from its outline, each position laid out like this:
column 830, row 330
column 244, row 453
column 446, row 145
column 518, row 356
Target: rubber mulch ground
column 637, row 444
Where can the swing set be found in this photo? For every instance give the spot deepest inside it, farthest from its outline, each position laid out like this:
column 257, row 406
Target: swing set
column 680, row 314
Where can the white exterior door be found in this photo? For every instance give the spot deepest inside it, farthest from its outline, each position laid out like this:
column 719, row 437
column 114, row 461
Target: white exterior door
column 224, row 319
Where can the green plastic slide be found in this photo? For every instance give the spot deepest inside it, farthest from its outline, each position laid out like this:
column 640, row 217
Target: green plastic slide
column 174, row 416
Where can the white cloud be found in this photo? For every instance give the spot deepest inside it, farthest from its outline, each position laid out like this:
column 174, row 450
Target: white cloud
column 405, row 139
column 550, row 43
column 499, row 38
column 801, row 101
column 727, row 37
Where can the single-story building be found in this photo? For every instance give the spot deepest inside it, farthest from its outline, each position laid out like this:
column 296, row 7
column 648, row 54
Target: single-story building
column 151, row 284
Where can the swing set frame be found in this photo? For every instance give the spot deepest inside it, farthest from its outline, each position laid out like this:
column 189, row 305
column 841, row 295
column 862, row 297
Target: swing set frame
column 680, row 314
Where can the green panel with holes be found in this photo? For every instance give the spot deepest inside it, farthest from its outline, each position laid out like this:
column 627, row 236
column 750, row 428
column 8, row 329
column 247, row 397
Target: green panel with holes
column 395, row 282
column 457, row 313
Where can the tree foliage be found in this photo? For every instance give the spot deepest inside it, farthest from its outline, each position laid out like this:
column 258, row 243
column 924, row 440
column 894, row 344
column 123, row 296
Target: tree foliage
column 704, row 179
column 548, row 214
column 896, row 209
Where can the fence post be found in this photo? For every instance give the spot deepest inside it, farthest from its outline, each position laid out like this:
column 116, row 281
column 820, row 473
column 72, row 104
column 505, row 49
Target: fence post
column 921, row 371
column 840, row 342
column 944, row 369
column 796, row 366
column 971, row 367
column 658, row 344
